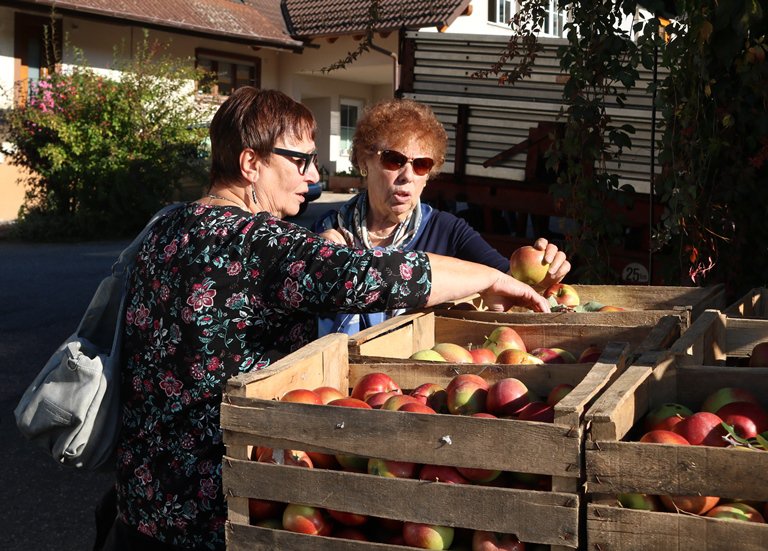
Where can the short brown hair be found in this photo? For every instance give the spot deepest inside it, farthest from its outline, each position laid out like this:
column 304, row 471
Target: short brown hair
column 392, row 123
column 255, row 119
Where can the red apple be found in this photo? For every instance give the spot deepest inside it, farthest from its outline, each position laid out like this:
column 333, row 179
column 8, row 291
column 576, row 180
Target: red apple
column 512, row 356
column 466, row 394
column 492, row 541
column 433, row 395
column 350, row 462
column 609, row 308
column 558, row 393
column 696, row 505
column 350, row 533
column 297, row 458
column 537, row 411
column 427, row 536
column 349, row 402
column 261, row 509
column 590, row 354
column 666, row 416
column 502, row 338
column 328, row 393
column 527, row 264
column 303, row 396
column 563, row 294
column 453, row 353
column 554, row 355
column 747, row 419
column 396, row 401
column 305, row 520
column 377, row 400
column 371, row 383
column 660, row 436
column 726, row 395
column 702, row 429
column 759, row 355
column 347, row 519
column 642, row 502
column 271, row 523
column 416, row 407
column 323, row 460
column 507, row 397
column 483, row 355
column 442, row 473
column 736, row 511
column 391, row 469
column 427, row 355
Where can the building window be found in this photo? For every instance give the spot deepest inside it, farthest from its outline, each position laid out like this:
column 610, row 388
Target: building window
column 226, row 72
column 501, row 11
column 349, row 112
column 37, row 50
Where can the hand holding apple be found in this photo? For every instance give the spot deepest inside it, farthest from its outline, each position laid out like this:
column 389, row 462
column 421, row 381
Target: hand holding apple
column 540, row 265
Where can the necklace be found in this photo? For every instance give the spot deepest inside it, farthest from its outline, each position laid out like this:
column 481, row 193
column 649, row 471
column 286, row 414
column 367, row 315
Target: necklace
column 220, row 198
column 382, row 237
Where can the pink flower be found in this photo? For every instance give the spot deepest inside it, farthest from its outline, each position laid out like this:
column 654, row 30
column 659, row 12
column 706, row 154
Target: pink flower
column 171, row 385
column 290, row 293
column 202, row 295
column 296, row 268
column 234, row 268
column 406, row 271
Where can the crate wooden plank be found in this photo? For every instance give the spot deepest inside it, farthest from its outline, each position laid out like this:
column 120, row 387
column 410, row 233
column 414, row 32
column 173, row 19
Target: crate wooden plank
column 617, row 529
column 661, row 469
column 752, row 305
column 546, row 517
column 242, row 537
column 434, row 439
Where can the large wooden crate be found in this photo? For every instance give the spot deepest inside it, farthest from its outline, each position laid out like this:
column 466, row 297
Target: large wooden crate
column 401, row 336
column 752, row 305
column 718, row 339
column 251, row 416
column 615, row 466
column 644, row 305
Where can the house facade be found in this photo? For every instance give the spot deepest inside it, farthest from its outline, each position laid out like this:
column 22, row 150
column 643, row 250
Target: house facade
column 282, row 44
column 267, row 43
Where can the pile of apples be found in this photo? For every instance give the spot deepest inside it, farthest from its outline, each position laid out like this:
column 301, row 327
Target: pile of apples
column 527, row 264
column 504, row 346
column 728, row 417
column 465, row 394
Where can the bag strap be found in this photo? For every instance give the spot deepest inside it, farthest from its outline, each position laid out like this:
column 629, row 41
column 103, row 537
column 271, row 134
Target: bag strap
column 128, row 257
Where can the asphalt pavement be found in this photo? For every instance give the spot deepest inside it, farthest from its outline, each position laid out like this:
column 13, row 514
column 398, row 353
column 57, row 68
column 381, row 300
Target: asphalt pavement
column 44, row 289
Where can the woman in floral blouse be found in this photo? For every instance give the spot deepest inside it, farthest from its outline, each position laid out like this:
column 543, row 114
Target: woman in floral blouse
column 222, row 286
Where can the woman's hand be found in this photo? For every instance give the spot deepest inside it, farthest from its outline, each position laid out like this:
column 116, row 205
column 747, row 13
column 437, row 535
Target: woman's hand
column 334, row 235
column 508, row 292
column 558, row 263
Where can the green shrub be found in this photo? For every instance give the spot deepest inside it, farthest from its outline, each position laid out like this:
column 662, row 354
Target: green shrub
column 105, row 153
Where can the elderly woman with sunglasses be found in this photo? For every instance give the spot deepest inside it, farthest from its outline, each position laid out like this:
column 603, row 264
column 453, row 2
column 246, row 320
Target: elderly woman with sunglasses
column 398, row 144
column 223, row 285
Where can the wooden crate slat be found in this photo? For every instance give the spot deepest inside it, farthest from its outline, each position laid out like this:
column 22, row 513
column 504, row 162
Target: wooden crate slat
column 752, row 305
column 243, row 537
column 533, row 516
column 614, row 528
column 661, row 469
column 435, row 439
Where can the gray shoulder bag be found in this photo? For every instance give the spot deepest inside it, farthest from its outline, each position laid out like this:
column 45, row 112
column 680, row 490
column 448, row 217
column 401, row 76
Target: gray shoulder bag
column 72, row 408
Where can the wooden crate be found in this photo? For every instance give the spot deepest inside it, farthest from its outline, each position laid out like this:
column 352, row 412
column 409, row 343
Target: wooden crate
column 401, row 336
column 718, row 339
column 752, row 305
column 616, row 466
column 644, row 305
column 251, row 416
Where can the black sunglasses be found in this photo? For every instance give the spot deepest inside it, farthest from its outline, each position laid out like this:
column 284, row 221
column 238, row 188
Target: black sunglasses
column 394, row 160
column 306, row 158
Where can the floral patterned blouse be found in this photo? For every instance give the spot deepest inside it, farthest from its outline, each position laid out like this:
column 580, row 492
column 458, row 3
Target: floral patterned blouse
column 217, row 292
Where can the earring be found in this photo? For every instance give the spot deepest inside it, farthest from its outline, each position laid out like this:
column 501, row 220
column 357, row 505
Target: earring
column 363, row 172
column 253, row 194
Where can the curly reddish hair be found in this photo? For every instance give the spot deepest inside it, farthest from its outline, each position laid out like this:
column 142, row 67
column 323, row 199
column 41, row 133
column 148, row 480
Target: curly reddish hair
column 392, row 123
